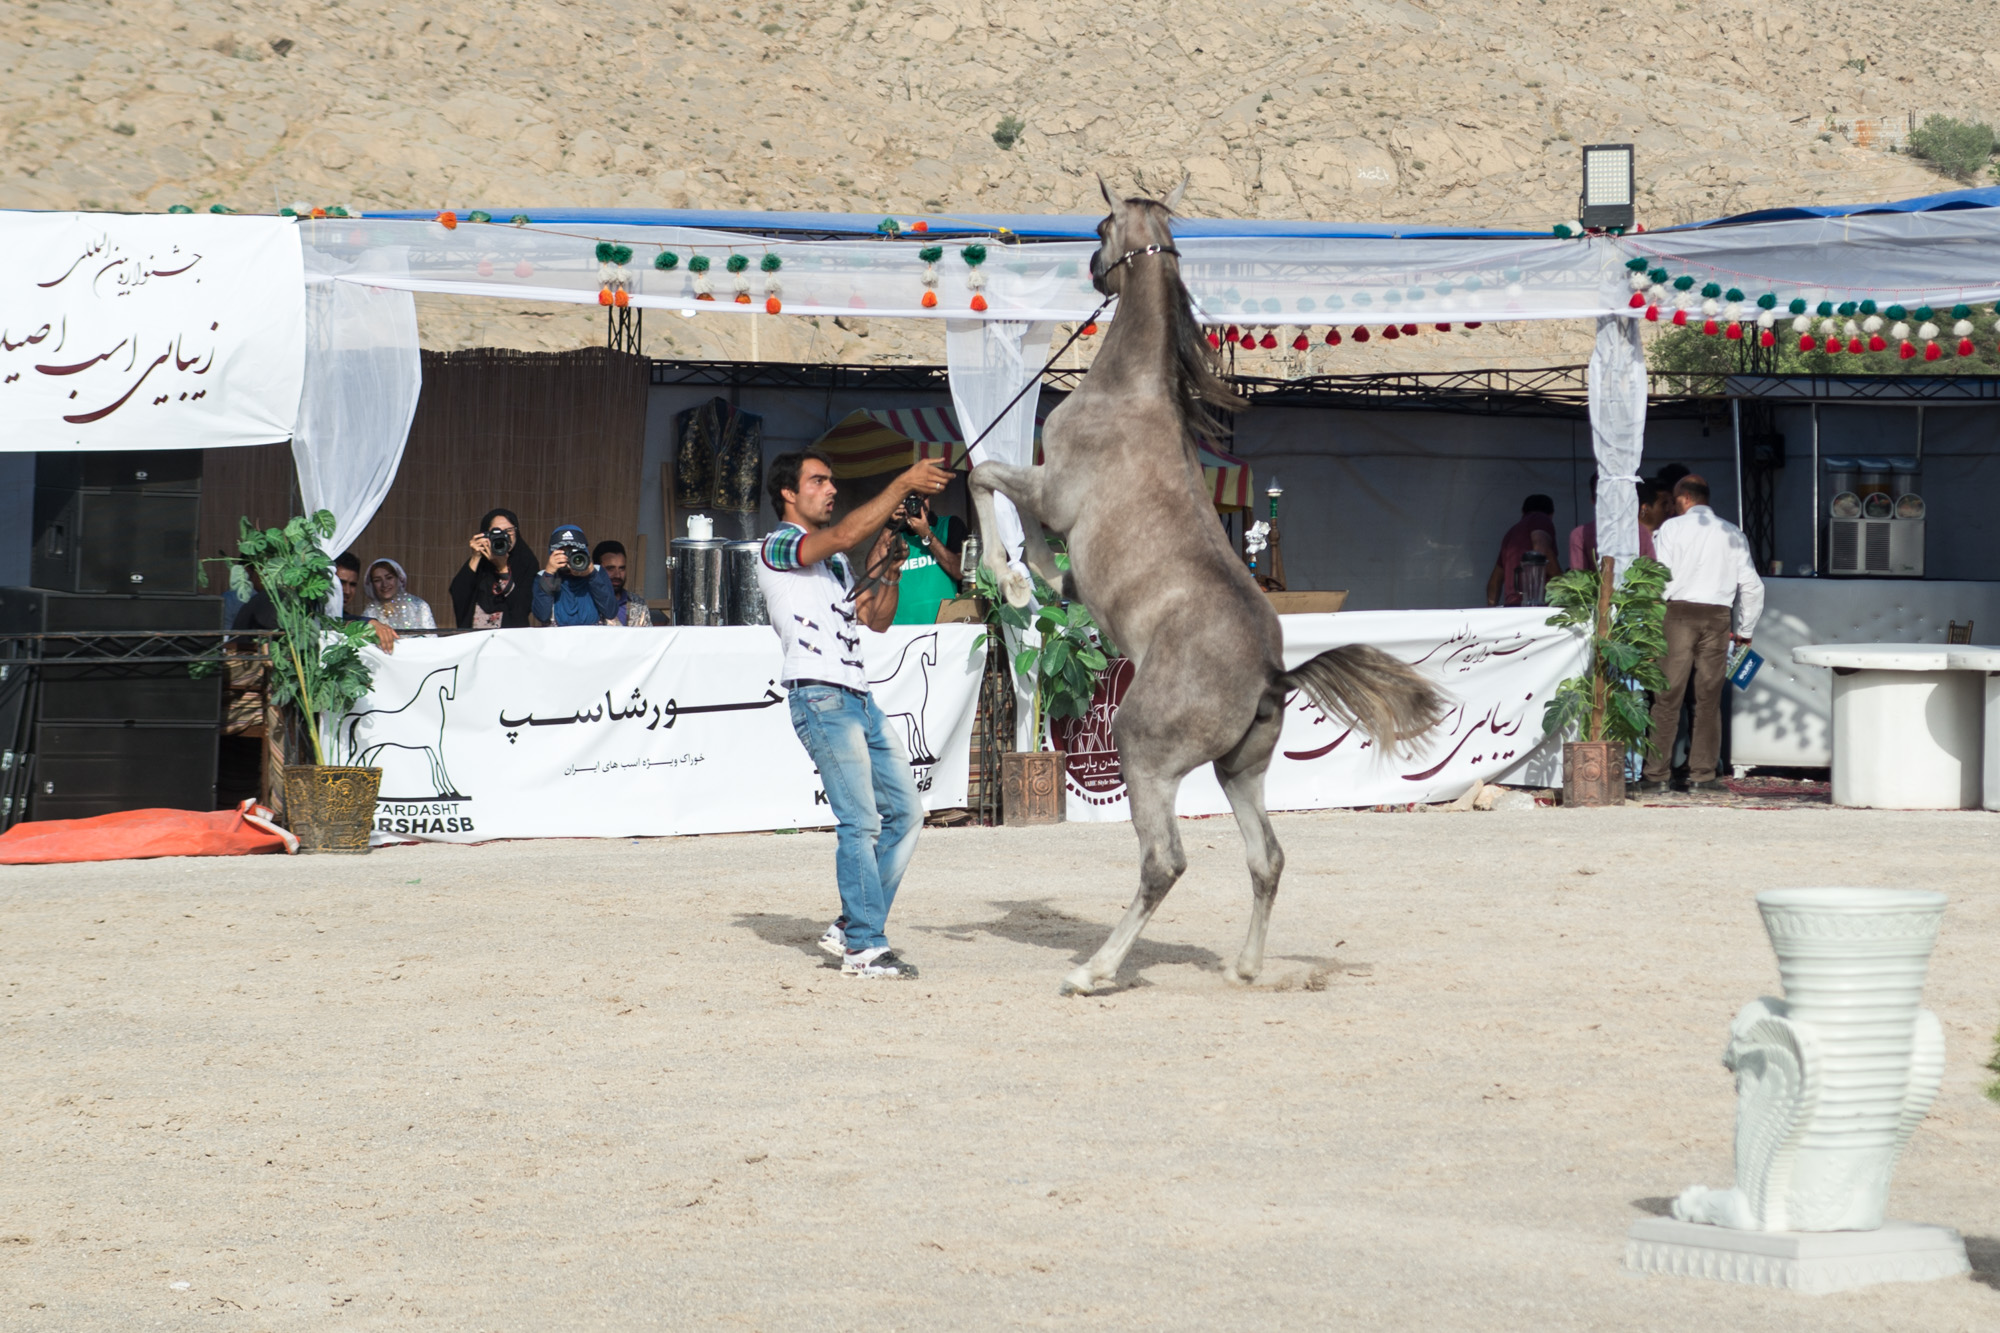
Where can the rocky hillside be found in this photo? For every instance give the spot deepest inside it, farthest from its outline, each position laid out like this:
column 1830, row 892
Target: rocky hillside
column 1361, row 109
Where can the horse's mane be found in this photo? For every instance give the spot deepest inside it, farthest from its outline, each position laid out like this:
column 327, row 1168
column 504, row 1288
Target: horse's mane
column 1198, row 385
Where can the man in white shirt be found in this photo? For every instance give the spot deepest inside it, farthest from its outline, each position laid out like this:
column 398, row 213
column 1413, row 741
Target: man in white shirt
column 1713, row 600
column 818, row 607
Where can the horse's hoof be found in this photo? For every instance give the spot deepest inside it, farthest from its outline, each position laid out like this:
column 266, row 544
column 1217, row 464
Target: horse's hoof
column 1242, row 978
column 1078, row 982
column 1016, row 589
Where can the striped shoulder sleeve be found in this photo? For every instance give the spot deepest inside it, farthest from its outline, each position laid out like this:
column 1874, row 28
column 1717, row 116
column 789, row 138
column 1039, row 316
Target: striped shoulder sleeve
column 838, row 561
column 781, row 549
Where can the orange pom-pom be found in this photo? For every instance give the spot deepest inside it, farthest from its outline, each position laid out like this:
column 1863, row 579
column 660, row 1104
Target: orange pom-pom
column 448, row 220
column 772, row 305
column 621, row 298
column 930, row 300
column 604, row 296
column 743, row 298
column 1090, row 329
column 978, row 301
column 920, row 226
column 706, row 296
column 319, row 212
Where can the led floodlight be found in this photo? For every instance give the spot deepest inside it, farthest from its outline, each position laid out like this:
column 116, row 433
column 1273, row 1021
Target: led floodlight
column 1607, row 186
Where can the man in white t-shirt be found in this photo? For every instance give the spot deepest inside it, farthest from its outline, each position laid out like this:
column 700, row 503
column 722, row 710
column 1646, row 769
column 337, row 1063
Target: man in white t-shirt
column 818, row 606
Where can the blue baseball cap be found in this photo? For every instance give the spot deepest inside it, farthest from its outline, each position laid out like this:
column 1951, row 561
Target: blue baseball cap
column 567, row 532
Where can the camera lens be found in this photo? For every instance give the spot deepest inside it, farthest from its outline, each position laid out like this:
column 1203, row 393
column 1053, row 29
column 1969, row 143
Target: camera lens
column 499, row 539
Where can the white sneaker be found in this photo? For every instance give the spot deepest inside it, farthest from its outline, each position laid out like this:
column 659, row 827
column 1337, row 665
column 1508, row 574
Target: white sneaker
column 876, row 964
column 835, row 939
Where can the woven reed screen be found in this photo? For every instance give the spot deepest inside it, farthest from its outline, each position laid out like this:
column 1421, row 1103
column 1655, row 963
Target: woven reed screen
column 557, row 437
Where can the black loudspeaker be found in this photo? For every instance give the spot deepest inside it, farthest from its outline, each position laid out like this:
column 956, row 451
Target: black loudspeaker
column 121, row 522
column 97, row 734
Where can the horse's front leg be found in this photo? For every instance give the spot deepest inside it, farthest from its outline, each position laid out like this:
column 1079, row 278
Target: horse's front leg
column 1022, row 485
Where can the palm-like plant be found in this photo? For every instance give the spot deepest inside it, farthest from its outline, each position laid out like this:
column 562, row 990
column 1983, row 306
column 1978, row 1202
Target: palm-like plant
column 1627, row 622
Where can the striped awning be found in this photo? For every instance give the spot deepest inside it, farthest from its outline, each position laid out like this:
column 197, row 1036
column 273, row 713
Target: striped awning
column 872, row 441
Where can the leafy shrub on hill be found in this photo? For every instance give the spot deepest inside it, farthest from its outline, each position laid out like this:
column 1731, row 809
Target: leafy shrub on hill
column 1956, row 147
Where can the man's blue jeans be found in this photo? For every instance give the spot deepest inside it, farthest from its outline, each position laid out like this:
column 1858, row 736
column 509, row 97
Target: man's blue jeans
column 868, row 784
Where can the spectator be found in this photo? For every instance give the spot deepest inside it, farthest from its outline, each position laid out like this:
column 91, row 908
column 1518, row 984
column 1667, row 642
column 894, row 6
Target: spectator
column 572, row 589
column 1583, row 537
column 1714, row 582
column 260, row 614
column 632, row 613
column 392, row 602
column 1536, row 531
column 494, row 589
column 930, row 566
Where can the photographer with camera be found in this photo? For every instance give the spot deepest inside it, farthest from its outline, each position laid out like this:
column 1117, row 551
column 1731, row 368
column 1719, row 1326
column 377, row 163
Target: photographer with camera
column 493, row 589
column 931, row 564
column 572, row 589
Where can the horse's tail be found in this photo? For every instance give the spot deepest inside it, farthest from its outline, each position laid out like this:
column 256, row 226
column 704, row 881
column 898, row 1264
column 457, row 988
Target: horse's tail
column 1365, row 687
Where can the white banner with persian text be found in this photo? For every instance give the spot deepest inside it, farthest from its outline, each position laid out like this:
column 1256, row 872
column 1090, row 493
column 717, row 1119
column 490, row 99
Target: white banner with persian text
column 120, row 331
column 608, row 732
column 1497, row 666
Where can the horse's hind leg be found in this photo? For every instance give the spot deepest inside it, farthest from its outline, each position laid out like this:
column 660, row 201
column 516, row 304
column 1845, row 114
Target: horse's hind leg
column 1241, row 773
column 1160, row 864
column 1021, row 485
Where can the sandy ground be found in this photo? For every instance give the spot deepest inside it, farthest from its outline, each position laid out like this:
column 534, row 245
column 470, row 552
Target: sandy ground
column 610, row 1085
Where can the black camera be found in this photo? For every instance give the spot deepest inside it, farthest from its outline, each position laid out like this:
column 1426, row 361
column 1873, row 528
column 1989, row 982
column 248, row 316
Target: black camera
column 912, row 507
column 575, row 555
column 499, row 540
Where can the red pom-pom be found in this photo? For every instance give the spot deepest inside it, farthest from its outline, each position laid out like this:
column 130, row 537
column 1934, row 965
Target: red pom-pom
column 1875, row 343
column 1391, row 331
column 1680, row 319
column 1734, row 330
column 1268, row 341
column 1410, row 330
column 1709, row 328
column 1766, row 338
column 1333, row 337
column 1300, row 343
column 1231, row 333
column 1214, row 342
column 1965, row 347
column 1472, row 324
column 524, row 269
column 1905, row 352
column 1806, row 343
column 1856, row 346
column 1638, row 299
column 1361, row 333
column 1932, row 351
column 1444, row 328
column 1088, row 331
column 485, row 268
column 1249, row 339
column 1652, row 313
column 1834, row 347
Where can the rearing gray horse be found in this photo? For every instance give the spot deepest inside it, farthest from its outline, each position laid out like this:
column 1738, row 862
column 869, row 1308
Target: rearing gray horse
column 1121, row 478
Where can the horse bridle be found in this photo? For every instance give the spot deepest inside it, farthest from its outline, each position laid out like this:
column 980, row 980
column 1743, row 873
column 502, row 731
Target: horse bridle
column 1130, row 255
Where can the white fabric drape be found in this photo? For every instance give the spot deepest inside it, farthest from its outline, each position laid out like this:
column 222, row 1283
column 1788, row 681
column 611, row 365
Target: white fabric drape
column 989, row 362
column 1618, row 433
column 362, row 375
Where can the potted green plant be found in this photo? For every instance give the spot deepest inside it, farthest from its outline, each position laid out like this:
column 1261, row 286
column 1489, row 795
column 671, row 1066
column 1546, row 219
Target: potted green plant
column 1605, row 707
column 1063, row 669
column 317, row 671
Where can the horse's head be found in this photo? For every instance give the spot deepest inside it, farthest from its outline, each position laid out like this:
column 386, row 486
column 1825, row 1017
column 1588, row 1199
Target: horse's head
column 1133, row 226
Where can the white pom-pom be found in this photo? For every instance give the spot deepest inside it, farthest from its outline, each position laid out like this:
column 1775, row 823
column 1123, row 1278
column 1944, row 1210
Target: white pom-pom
column 1766, row 319
column 1962, row 329
column 1927, row 331
column 1872, row 324
column 1640, row 282
column 930, row 278
column 1829, row 327
column 1657, row 295
column 1709, row 309
column 605, row 272
column 1683, row 302
column 1803, row 324
column 772, row 287
column 975, row 278
column 1850, row 330
column 1901, row 332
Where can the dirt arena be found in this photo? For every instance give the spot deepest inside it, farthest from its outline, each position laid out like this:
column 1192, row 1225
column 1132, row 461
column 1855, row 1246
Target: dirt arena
column 610, row 1084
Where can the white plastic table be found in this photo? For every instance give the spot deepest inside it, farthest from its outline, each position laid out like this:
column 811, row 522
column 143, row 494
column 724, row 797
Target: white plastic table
column 1908, row 725
column 1986, row 662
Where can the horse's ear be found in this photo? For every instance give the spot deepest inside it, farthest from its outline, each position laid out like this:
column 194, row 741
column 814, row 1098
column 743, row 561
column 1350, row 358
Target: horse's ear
column 1105, row 190
column 1173, row 200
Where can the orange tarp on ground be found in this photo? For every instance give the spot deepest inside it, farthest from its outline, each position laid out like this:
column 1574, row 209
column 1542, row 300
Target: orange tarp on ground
column 139, row 834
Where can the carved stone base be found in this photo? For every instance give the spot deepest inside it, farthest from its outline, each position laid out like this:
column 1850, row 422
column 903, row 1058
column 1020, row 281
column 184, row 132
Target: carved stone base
column 1813, row 1262
column 1031, row 788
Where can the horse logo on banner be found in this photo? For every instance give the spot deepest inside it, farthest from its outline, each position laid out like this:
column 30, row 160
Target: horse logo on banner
column 909, row 724
column 394, row 739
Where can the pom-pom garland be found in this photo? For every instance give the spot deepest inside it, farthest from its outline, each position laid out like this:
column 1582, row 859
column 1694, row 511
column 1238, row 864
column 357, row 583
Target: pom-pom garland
column 698, row 266
column 974, row 255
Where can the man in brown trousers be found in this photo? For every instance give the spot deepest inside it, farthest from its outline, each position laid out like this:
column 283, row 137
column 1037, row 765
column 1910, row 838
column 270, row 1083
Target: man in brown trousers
column 1713, row 600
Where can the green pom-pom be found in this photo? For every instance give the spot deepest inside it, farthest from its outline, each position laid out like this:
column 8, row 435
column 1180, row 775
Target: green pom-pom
column 1925, row 312
column 1797, row 307
column 737, row 263
column 1846, row 309
column 1767, row 302
column 930, row 254
column 604, row 252
column 1683, row 282
column 1867, row 307
column 1711, row 290
column 519, row 219
column 179, row 208
column 1638, row 265
column 479, row 215
column 666, row 261
column 1562, row 231
column 621, row 254
column 698, row 264
column 1961, row 312
column 338, row 212
column 1733, row 294
column 288, row 212
column 1896, row 312
column 974, row 255
column 889, row 227
column 1824, row 309
column 1659, row 276
column 220, row 208
column 771, row 263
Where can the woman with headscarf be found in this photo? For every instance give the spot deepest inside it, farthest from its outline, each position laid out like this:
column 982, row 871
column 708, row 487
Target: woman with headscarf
column 494, row 589
column 391, row 601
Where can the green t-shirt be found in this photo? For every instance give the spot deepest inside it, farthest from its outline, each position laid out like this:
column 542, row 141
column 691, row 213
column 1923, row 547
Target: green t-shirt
column 925, row 585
